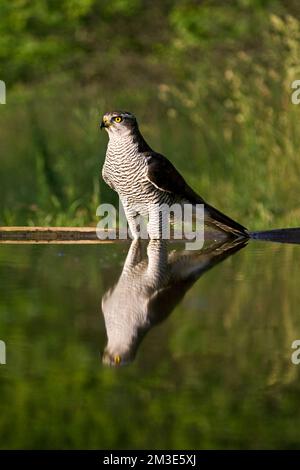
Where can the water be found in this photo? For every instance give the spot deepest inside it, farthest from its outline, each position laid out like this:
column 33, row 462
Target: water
column 216, row 372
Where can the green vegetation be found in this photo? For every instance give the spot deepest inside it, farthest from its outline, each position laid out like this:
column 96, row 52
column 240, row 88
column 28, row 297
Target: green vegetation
column 209, row 81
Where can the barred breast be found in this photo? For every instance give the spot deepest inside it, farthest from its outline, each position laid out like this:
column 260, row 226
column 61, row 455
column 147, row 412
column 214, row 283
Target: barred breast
column 125, row 170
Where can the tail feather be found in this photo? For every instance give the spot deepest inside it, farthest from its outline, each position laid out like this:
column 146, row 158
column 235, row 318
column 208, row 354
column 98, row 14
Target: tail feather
column 225, row 223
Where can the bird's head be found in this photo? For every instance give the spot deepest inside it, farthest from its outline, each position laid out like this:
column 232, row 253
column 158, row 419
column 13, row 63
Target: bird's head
column 118, row 122
column 113, row 359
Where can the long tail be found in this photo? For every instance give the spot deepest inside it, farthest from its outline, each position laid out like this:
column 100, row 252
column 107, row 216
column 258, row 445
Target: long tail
column 217, row 219
column 236, row 230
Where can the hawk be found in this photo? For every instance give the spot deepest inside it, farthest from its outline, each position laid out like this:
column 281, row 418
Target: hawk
column 148, row 290
column 145, row 179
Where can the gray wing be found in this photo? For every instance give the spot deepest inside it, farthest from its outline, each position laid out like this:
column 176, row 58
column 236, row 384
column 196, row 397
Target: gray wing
column 163, row 175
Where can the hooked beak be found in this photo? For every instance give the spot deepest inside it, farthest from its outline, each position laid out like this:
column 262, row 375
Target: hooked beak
column 105, row 123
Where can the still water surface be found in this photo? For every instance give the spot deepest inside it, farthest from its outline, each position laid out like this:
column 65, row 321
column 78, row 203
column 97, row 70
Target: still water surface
column 205, row 339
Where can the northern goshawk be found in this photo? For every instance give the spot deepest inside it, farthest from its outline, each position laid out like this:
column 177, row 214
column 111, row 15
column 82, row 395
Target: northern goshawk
column 149, row 288
column 145, row 179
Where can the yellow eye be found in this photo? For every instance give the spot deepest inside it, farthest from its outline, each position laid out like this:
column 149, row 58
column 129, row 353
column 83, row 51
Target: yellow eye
column 118, row 119
column 117, row 360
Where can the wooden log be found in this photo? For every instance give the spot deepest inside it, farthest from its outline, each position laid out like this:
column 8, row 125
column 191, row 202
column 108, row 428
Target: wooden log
column 50, row 235
column 69, row 235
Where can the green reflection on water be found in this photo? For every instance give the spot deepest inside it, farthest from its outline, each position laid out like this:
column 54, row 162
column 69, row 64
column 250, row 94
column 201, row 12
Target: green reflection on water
column 216, row 374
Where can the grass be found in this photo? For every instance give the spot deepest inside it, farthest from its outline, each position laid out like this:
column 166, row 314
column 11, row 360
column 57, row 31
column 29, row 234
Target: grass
column 230, row 128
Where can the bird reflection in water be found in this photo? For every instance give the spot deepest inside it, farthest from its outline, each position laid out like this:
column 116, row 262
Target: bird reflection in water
column 149, row 288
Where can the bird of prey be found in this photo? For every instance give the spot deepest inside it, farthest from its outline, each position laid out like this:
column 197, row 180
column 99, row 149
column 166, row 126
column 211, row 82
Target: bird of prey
column 149, row 288
column 145, row 179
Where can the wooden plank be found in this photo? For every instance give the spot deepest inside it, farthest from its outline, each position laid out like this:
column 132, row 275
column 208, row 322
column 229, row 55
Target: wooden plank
column 66, row 235
column 52, row 235
column 281, row 235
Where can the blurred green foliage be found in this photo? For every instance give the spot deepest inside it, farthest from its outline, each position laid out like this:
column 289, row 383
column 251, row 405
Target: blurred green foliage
column 210, row 82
